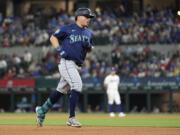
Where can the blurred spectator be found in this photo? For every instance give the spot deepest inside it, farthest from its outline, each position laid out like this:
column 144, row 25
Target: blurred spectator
column 143, row 110
column 141, row 73
column 21, row 73
column 23, row 105
column 9, row 74
column 3, row 66
column 134, row 109
column 16, row 59
column 27, row 57
column 2, row 110
column 155, row 109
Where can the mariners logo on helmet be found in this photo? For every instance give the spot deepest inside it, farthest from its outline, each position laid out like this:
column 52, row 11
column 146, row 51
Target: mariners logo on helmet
column 84, row 12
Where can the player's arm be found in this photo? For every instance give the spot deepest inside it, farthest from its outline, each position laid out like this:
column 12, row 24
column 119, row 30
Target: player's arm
column 91, row 46
column 106, row 82
column 105, row 85
column 118, row 80
column 54, row 41
column 60, row 34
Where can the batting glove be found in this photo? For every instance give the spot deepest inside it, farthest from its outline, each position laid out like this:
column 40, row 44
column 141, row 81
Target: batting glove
column 61, row 52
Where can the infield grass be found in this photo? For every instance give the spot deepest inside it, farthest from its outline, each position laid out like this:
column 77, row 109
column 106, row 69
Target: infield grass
column 95, row 119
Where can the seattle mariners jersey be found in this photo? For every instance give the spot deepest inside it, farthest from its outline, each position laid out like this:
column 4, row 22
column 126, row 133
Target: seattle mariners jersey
column 113, row 82
column 75, row 42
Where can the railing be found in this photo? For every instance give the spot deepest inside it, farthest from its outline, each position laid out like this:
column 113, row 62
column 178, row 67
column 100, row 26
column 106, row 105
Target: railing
column 128, row 86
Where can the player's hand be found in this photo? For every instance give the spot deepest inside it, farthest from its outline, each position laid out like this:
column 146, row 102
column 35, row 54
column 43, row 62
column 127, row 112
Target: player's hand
column 61, row 52
column 58, row 49
column 87, row 46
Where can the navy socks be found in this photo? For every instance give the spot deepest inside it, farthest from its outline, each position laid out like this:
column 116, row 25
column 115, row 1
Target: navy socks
column 50, row 101
column 119, row 108
column 110, row 107
column 73, row 100
column 74, row 96
column 55, row 96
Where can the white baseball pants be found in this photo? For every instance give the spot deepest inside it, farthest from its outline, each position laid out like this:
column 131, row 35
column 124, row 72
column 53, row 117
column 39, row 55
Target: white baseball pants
column 114, row 97
column 70, row 77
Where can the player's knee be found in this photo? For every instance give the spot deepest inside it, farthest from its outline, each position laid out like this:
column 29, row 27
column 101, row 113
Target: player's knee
column 63, row 88
column 77, row 86
column 110, row 102
column 118, row 102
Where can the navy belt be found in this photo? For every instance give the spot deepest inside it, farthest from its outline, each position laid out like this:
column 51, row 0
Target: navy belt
column 78, row 64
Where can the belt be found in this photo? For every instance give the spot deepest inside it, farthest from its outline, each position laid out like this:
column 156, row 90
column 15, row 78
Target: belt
column 78, row 64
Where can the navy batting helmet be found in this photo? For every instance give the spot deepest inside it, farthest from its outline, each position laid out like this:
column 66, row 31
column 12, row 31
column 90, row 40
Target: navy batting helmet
column 113, row 69
column 84, row 12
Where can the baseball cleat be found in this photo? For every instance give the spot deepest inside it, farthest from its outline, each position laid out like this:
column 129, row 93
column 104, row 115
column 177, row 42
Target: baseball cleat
column 73, row 122
column 121, row 114
column 112, row 114
column 40, row 116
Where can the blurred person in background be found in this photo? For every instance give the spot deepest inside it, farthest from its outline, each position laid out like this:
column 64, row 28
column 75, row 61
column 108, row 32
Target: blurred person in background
column 3, row 66
column 111, row 83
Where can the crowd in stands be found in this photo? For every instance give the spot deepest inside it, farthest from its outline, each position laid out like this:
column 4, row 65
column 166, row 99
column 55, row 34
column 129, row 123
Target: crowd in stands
column 151, row 27
column 35, row 28
column 25, row 67
column 142, row 62
column 109, row 27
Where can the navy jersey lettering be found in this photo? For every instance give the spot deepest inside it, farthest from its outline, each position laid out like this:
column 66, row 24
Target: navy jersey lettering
column 75, row 41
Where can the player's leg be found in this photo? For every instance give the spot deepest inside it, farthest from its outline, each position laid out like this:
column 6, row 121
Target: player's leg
column 110, row 104
column 70, row 73
column 72, row 121
column 118, row 104
column 54, row 97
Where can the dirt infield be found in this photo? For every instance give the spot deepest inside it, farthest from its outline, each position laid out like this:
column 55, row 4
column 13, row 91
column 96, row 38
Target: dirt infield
column 65, row 130
column 91, row 116
column 85, row 130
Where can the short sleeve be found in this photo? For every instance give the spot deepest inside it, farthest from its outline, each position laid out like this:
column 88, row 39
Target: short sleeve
column 60, row 33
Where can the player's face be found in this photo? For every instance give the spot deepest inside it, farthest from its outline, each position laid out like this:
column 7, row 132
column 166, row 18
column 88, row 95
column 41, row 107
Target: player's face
column 113, row 72
column 84, row 21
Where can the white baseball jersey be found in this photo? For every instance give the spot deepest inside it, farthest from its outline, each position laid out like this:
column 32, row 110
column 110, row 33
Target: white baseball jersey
column 113, row 82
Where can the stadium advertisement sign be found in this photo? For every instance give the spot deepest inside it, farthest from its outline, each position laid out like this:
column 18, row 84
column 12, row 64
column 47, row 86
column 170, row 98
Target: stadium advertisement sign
column 138, row 82
column 17, row 83
column 149, row 81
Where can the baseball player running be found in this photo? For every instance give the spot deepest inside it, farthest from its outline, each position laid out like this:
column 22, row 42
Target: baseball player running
column 111, row 82
column 76, row 42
